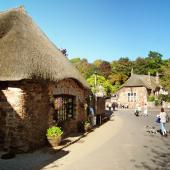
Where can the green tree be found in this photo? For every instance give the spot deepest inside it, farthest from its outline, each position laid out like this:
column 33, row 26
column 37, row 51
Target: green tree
column 166, row 76
column 151, row 64
column 85, row 68
column 104, row 69
column 118, row 78
column 97, row 63
column 123, row 66
column 100, row 80
column 75, row 60
column 154, row 61
column 140, row 66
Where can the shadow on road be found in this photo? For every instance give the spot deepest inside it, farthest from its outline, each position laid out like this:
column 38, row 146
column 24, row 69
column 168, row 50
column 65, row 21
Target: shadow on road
column 160, row 159
column 56, row 156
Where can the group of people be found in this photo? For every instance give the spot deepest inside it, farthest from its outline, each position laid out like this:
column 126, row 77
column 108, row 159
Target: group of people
column 162, row 117
column 112, row 106
column 138, row 110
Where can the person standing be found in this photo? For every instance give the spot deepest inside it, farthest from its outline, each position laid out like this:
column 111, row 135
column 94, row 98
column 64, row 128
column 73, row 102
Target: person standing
column 91, row 116
column 163, row 116
column 137, row 110
column 113, row 106
column 145, row 111
column 110, row 106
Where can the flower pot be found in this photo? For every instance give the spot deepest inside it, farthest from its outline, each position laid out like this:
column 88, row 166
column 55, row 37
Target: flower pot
column 54, row 141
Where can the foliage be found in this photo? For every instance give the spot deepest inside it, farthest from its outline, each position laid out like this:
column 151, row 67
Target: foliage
column 83, row 66
column 97, row 63
column 75, row 60
column 100, row 80
column 166, row 76
column 165, row 98
column 104, row 69
column 140, row 66
column 83, row 126
column 157, row 102
column 118, row 78
column 111, row 75
column 151, row 98
column 122, row 66
column 151, row 64
column 87, row 125
column 54, row 131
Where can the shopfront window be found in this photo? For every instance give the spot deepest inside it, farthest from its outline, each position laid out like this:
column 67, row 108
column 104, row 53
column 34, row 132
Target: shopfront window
column 64, row 107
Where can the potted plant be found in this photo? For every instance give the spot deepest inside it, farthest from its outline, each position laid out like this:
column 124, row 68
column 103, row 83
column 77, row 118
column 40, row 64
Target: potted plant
column 87, row 126
column 83, row 126
column 54, row 135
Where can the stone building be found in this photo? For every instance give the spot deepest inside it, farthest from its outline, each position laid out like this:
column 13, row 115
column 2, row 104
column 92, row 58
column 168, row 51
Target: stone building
column 136, row 90
column 38, row 85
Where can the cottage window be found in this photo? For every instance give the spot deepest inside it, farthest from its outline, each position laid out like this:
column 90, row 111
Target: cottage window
column 64, row 107
column 131, row 97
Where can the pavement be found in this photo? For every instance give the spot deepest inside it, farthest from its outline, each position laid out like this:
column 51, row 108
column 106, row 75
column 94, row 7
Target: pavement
column 47, row 156
column 37, row 159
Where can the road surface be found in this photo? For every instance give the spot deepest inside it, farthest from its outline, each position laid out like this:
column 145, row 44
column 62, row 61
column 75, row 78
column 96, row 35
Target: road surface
column 121, row 144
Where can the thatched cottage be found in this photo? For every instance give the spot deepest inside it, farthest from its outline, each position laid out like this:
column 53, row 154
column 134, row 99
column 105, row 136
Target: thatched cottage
column 137, row 89
column 39, row 86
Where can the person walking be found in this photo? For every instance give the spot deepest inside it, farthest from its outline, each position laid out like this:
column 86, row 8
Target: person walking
column 163, row 116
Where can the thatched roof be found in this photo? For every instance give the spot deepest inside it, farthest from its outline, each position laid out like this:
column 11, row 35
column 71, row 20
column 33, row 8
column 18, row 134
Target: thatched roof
column 27, row 53
column 141, row 81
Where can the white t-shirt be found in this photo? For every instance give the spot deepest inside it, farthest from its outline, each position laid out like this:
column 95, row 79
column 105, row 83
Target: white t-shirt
column 163, row 117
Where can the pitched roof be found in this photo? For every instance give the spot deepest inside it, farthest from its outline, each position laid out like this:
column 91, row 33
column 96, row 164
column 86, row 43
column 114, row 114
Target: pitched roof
column 27, row 53
column 141, row 81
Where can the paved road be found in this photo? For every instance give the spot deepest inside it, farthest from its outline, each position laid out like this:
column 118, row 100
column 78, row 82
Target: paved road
column 127, row 146
column 122, row 143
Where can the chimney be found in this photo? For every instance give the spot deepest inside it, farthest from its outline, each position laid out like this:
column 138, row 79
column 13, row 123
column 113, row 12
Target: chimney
column 157, row 78
column 149, row 74
column 149, row 78
column 132, row 72
column 21, row 9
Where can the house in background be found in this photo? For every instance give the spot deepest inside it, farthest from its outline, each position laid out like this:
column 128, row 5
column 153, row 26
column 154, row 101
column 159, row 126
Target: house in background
column 38, row 85
column 136, row 90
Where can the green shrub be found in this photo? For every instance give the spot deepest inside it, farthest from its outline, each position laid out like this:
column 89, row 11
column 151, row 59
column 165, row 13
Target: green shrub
column 83, row 126
column 157, row 102
column 151, row 98
column 165, row 98
column 54, row 131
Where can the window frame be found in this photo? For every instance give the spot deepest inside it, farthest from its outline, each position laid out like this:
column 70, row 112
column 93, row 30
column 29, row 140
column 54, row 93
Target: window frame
column 65, row 108
column 132, row 96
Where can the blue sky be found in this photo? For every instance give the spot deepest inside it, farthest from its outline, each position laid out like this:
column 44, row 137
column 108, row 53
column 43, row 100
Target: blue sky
column 102, row 29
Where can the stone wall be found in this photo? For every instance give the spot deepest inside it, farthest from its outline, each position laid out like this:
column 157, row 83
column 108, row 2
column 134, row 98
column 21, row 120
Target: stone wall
column 71, row 87
column 141, row 96
column 26, row 112
column 2, row 119
column 25, row 106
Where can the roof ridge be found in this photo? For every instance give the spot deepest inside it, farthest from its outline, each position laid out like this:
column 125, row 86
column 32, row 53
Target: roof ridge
column 20, row 8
